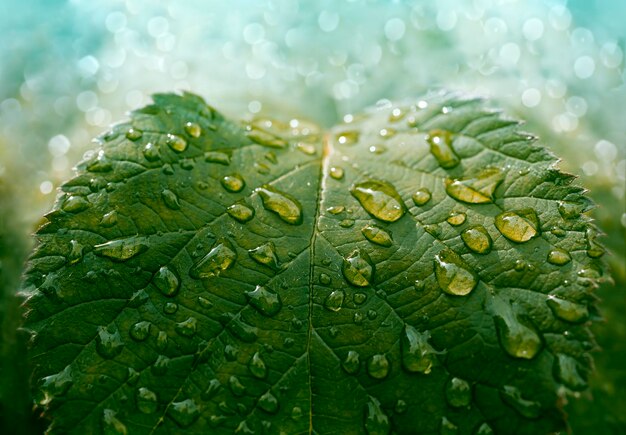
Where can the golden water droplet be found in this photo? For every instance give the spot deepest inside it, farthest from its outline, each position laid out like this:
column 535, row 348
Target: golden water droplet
column 380, row 199
column 518, row 226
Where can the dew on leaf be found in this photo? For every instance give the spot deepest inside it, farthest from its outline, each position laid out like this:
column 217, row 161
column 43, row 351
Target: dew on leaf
column 458, row 392
column 239, row 329
column 566, row 371
column 151, row 152
column 257, row 366
column 170, row 308
column 217, row 157
column 372, row 314
column 57, row 385
column 220, row 258
column 477, row 239
column 75, row 204
column 447, row 427
column 205, row 303
column 285, row 206
column 566, row 310
column 334, row 300
column 122, row 249
column 193, row 129
column 265, row 301
column 380, row 199
column 570, row 210
column 146, row 401
column 109, row 342
column 170, row 199
column 235, row 385
column 166, row 281
column 421, row 196
column 133, row 376
column 138, row 298
column 268, row 403
column 351, row 363
column 518, row 226
column 233, row 183
column 134, row 134
column 441, row 148
column 265, row 138
column 325, row 279
column 184, row 413
column 100, row 163
column 230, row 352
column 358, row 268
column 265, row 254
column 111, row 424
column 594, row 249
column 358, row 318
column 378, row 366
column 240, row 212
column 512, row 396
column 187, row 328
column 212, row 389
column 161, row 365
column 559, row 257
column 76, row 252
column 484, row 429
column 176, row 143
column 400, row 407
column 475, row 190
column 359, row 298
column 456, row 218
column 140, row 331
column 347, row 137
column 377, row 235
column 109, row 219
column 346, row 223
column 335, row 209
column 453, row 274
column 518, row 339
column 418, row 356
column 336, row 172
column 376, row 421
column 243, row 428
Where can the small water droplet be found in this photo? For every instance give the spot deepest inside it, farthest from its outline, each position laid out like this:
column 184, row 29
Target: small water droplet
column 233, row 183
column 122, row 249
column 400, row 407
column 347, row 137
column 325, row 279
column 377, row 235
column 358, row 268
column 566, row 370
column 372, row 314
column 212, row 389
column 58, row 384
column 111, row 424
column 378, row 366
column 166, row 281
column 230, row 352
column 161, row 341
column 421, row 196
column 75, row 204
column 359, row 298
column 187, row 328
column 456, row 218
column 265, row 138
column 397, row 114
column 109, row 342
column 418, row 356
column 570, row 210
column 257, row 366
column 458, row 393
column 484, row 429
column 138, row 298
column 518, row 339
column 559, row 257
column 100, row 163
column 358, row 318
column 285, row 206
column 334, row 300
column 76, row 252
column 205, row 303
column 512, row 396
column 441, row 148
column 518, row 226
column 265, row 255
column 170, row 308
column 184, row 413
column 447, row 427
column 241, row 212
column 376, row 421
column 346, row 223
column 336, row 172
column 306, row 148
column 594, row 249
column 168, row 169
column 109, row 219
column 296, row 413
column 569, row 311
column 387, row 133
column 134, row 134
column 161, row 365
column 477, row 239
column 176, row 143
column 380, row 199
column 133, row 376
column 454, row 275
column 266, row 301
column 217, row 157
column 170, row 199
column 351, row 363
column 268, row 403
column 140, row 331
column 193, row 129
column 220, row 258
column 146, row 401
column 475, row 190
column 335, row 210
column 235, row 385
column 238, row 328
column 151, row 152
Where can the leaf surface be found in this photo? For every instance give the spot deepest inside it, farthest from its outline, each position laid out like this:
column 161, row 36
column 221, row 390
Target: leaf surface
column 422, row 268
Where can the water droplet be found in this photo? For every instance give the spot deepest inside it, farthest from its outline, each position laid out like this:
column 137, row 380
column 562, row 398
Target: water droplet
column 372, row 314
column 122, row 249
column 441, row 148
column 377, row 235
column 358, row 318
column 351, row 363
column 161, row 365
column 233, row 183
column 421, row 196
column 57, row 385
column 418, row 356
column 161, row 341
column 241, row 212
column 216, row 420
column 594, row 249
column 397, row 114
column 266, row 301
column 296, row 413
column 475, row 190
column 386, row 133
column 358, row 268
column 100, row 163
column 570, row 210
column 456, row 218
column 334, row 300
column 138, row 298
column 447, row 427
column 516, row 338
column 217, row 157
column 235, row 385
column 75, row 204
column 133, row 376
column 176, row 143
column 400, row 407
column 566, row 370
column 205, row 303
column 184, row 413
column 376, row 421
column 76, row 252
column 271, row 157
column 378, row 366
column 568, row 311
column 265, row 138
column 134, row 134
column 268, row 403
column 512, row 396
column 559, row 257
column 166, row 281
column 306, row 148
column 433, row 229
column 518, row 226
column 170, row 308
column 220, row 258
column 151, row 152
column 212, row 389
column 109, row 342
column 477, row 239
column 346, row 223
column 146, row 401
column 140, row 331
column 170, row 199
column 285, row 206
column 112, row 425
column 257, row 366
column 335, row 210
column 458, row 393
column 193, row 129
column 453, row 274
column 336, row 173
column 380, row 199
column 187, row 328
column 168, row 169
column 230, row 352
column 265, row 255
column 109, row 219
column 359, row 298
column 325, row 279
column 239, row 329
column 347, row 137
column 484, row 429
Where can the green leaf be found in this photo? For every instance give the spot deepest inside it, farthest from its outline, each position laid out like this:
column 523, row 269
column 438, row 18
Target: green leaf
column 422, row 268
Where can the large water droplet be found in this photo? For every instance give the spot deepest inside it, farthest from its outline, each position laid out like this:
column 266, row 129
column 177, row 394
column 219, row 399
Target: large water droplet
column 518, row 226
column 184, row 413
column 559, row 257
column 111, row 424
column 477, row 239
column 351, row 363
column 241, row 212
column 220, row 258
column 377, row 235
column 257, row 366
column 475, row 190
column 334, row 300
column 380, row 199
column 166, row 281
column 265, row 255
column 193, row 129
column 109, row 219
column 217, row 157
column 122, row 249
column 454, row 275
column 187, row 328
column 266, row 301
column 233, row 183
column 421, row 196
column 358, row 268
column 235, row 385
column 146, row 401
column 75, row 204
column 378, row 366
column 418, row 356
column 512, row 396
column 568, row 311
column 140, row 331
column 516, row 338
column 268, row 403
column 57, row 384
column 376, row 421
column 441, row 148
column 458, row 393
column 109, row 342
column 170, row 199
column 285, row 206
column 176, row 143
column 566, row 370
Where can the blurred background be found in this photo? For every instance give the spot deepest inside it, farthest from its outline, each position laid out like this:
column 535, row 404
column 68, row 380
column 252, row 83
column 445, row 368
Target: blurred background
column 70, row 68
